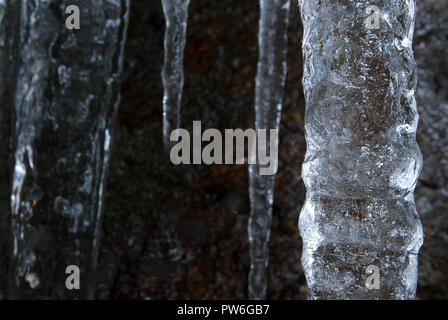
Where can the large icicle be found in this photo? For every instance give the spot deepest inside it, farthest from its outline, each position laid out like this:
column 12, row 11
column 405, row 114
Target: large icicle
column 359, row 220
column 270, row 85
column 176, row 17
column 66, row 98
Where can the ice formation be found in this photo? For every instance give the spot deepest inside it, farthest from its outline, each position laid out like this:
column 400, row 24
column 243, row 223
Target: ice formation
column 362, row 160
column 65, row 100
column 270, row 85
column 176, row 17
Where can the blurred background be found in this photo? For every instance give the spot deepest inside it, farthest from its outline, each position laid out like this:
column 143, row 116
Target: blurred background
column 180, row 232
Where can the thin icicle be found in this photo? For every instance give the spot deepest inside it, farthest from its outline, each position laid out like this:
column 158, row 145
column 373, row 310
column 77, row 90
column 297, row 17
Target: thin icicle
column 176, row 16
column 360, row 229
column 66, row 99
column 270, row 85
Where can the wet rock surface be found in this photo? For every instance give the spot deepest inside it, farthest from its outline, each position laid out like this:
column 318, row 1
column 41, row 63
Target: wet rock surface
column 431, row 50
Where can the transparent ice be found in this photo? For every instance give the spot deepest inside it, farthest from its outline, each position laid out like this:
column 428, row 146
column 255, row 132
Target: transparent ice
column 176, row 17
column 270, row 85
column 65, row 99
column 362, row 160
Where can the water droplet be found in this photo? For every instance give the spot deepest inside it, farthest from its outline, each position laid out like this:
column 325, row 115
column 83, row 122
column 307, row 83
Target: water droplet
column 33, row 280
column 36, row 194
column 61, row 205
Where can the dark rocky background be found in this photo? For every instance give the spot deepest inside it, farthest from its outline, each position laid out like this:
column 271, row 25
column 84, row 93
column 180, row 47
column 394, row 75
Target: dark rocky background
column 181, row 232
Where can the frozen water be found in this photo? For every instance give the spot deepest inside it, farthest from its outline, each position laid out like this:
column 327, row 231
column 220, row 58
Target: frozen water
column 362, row 160
column 66, row 97
column 176, row 17
column 270, row 85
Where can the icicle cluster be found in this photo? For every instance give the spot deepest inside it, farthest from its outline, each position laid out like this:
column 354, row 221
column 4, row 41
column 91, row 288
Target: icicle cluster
column 270, row 85
column 362, row 160
column 65, row 99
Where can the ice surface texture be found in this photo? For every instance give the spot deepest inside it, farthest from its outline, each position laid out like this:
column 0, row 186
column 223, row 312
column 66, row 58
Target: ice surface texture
column 176, row 17
column 362, row 160
column 269, row 90
column 65, row 100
